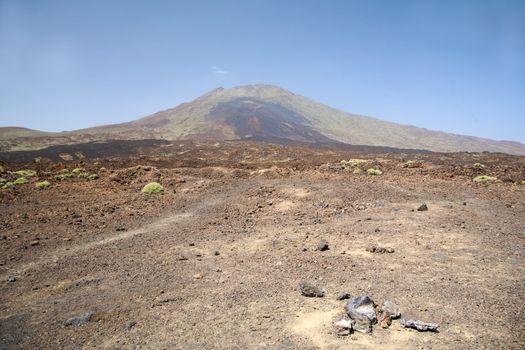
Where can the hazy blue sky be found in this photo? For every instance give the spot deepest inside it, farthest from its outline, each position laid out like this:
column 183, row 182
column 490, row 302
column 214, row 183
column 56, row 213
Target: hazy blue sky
column 456, row 66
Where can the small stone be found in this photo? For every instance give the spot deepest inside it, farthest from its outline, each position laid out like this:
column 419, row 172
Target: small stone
column 216, row 253
column 343, row 296
column 384, row 320
column 11, row 279
column 343, row 327
column 66, row 239
column 379, row 250
column 79, row 320
column 322, row 245
column 310, row 290
column 414, row 322
column 129, row 325
column 422, row 207
column 198, row 276
column 34, row 243
column 391, row 309
column 361, row 306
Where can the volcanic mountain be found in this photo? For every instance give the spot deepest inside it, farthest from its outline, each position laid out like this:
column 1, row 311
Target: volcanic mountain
column 266, row 113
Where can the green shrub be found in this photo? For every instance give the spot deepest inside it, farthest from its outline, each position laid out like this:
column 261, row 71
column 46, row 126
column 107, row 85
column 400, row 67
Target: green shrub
column 373, row 171
column 78, row 170
column 25, row 173
column 2, row 169
column 83, row 175
column 152, row 187
column 42, row 184
column 357, row 171
column 357, row 162
column 2, row 181
column 484, row 178
column 8, row 185
column 64, row 171
column 344, row 163
column 523, row 182
column 478, row 166
column 63, row 176
column 92, row 177
column 20, row 181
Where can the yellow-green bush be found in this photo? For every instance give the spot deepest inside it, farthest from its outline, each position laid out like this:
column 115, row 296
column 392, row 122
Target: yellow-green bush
column 152, row 187
column 20, row 181
column 24, row 173
column 42, row 184
column 484, row 178
column 372, row 171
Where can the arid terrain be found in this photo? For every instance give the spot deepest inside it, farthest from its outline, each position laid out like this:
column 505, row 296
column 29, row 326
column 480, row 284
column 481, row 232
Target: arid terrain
column 215, row 260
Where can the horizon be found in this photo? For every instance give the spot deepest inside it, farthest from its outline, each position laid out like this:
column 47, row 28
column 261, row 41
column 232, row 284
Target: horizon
column 70, row 66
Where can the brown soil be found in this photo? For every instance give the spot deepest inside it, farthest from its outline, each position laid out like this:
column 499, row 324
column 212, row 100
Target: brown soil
column 214, row 262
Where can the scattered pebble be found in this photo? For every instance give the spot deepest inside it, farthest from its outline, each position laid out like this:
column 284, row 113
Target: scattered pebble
column 380, row 250
column 79, row 320
column 384, row 319
column 343, row 327
column 343, row 296
column 129, row 325
column 422, row 207
column 322, row 245
column 198, row 276
column 361, row 310
column 409, row 322
column 391, row 309
column 11, row 279
column 310, row 290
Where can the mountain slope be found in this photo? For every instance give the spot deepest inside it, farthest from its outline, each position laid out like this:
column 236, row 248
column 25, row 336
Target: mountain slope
column 265, row 112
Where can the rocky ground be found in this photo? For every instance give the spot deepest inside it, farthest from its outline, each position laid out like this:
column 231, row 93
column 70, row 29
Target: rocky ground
column 217, row 259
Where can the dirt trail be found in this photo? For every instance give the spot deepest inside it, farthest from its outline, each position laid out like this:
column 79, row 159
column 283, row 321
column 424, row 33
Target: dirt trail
column 80, row 248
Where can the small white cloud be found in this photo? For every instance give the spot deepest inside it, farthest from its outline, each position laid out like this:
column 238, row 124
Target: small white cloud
column 218, row 70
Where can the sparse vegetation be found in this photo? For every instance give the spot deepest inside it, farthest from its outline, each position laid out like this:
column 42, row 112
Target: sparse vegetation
column 8, row 184
column 357, row 171
column 373, row 171
column 63, row 176
column 20, row 181
column 344, row 164
column 42, row 184
column 24, row 173
column 93, row 177
column 152, row 187
column 2, row 181
column 83, row 174
column 78, row 170
column 484, row 178
column 478, row 166
column 357, row 162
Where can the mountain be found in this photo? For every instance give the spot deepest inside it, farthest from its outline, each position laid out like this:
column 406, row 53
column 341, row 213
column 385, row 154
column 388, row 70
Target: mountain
column 268, row 113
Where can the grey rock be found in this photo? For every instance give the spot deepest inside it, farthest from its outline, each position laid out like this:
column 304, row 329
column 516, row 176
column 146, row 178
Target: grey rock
column 129, row 325
column 422, row 207
column 310, row 290
column 343, row 296
column 79, row 320
column 391, row 309
column 343, row 327
column 361, row 309
column 11, row 279
column 363, row 325
column 322, row 245
column 419, row 325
